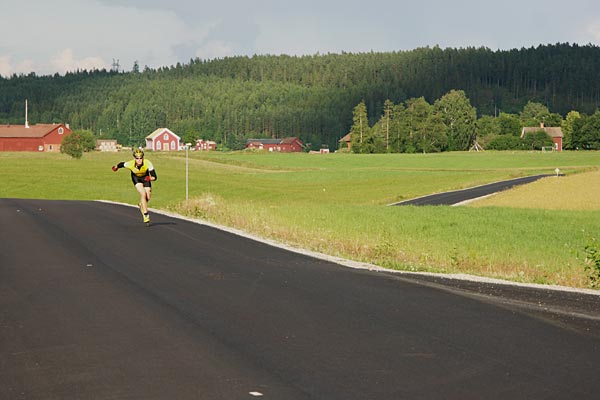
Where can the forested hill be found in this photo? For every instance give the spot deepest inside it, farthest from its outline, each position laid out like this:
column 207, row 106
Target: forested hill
column 231, row 99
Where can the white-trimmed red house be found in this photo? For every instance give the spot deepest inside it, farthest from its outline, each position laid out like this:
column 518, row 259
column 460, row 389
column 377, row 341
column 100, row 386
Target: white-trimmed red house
column 205, row 145
column 163, row 139
column 286, row 145
column 554, row 132
column 38, row 137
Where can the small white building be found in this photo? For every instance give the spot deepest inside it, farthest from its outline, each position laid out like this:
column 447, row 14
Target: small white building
column 163, row 139
column 106, row 145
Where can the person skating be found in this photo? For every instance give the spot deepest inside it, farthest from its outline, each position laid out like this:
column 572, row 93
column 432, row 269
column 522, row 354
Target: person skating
column 142, row 175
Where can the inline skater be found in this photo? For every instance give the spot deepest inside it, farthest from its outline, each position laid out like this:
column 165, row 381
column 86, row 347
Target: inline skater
column 142, row 175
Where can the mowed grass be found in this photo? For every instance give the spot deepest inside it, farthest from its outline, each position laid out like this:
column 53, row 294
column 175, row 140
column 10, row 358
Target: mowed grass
column 572, row 192
column 338, row 204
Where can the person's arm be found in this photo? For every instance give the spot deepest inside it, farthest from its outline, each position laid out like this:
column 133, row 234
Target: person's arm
column 151, row 172
column 119, row 165
column 151, row 176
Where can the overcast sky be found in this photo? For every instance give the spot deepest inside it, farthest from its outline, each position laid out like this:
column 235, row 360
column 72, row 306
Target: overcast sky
column 65, row 35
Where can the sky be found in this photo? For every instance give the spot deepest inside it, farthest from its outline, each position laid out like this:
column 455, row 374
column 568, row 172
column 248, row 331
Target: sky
column 48, row 37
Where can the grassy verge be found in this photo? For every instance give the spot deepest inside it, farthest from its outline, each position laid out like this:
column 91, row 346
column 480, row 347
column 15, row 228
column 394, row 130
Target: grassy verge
column 336, row 204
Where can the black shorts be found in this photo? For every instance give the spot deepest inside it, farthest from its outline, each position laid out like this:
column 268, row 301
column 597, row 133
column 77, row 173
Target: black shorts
column 140, row 179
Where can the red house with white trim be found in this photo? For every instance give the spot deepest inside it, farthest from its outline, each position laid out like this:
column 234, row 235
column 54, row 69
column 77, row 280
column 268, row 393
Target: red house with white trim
column 38, row 137
column 286, row 145
column 205, row 145
column 163, row 139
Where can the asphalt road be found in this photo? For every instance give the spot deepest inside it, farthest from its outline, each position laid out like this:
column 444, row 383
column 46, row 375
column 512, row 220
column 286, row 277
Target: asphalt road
column 458, row 196
column 94, row 305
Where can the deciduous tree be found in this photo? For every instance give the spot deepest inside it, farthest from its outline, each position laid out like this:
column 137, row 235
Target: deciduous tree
column 567, row 129
column 459, row 116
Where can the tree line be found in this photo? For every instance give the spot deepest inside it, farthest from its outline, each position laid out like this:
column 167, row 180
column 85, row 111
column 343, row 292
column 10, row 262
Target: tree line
column 451, row 124
column 314, row 97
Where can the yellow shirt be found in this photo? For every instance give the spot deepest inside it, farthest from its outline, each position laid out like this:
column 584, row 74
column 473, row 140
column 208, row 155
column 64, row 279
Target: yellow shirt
column 142, row 170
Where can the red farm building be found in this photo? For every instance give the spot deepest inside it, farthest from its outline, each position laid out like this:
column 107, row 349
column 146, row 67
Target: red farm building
column 286, row 145
column 205, row 145
column 554, row 132
column 38, row 137
column 163, row 139
column 347, row 141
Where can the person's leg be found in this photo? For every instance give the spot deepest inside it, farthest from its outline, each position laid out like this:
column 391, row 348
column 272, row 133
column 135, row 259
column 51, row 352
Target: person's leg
column 143, row 197
column 148, row 193
column 148, row 190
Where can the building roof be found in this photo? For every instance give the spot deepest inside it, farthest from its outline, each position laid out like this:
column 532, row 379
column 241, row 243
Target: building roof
column 264, row 141
column 554, row 132
column 346, row 138
column 20, row 131
column 159, row 132
column 288, row 140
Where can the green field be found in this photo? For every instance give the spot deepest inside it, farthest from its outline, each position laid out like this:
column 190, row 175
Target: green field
column 337, row 204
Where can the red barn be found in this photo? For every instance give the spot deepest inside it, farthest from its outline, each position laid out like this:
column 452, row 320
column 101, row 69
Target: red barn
column 39, row 137
column 163, row 139
column 287, row 145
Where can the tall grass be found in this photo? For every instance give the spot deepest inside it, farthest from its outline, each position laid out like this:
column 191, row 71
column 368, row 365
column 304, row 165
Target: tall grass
column 337, row 204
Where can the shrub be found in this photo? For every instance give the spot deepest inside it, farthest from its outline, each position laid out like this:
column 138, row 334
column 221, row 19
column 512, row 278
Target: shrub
column 592, row 263
column 78, row 142
column 72, row 145
column 505, row 142
column 537, row 140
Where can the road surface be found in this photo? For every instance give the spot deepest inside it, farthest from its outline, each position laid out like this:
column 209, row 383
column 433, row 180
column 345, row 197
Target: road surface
column 94, row 305
column 459, row 196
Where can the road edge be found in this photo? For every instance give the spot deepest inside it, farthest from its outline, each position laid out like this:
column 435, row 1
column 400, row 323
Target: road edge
column 363, row 265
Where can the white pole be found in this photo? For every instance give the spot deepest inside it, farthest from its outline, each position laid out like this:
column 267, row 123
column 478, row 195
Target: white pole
column 187, row 147
column 186, row 173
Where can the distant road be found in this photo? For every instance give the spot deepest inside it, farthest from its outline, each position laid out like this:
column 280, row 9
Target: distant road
column 94, row 305
column 458, row 196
